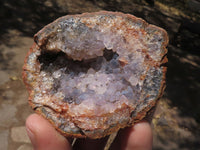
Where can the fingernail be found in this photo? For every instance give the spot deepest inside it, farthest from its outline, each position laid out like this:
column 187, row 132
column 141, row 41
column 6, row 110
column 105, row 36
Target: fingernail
column 141, row 124
column 31, row 136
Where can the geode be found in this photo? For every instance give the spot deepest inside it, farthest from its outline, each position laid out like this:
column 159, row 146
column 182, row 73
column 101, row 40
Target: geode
column 94, row 73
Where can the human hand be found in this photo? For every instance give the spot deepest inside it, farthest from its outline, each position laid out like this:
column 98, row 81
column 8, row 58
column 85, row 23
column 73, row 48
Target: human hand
column 44, row 137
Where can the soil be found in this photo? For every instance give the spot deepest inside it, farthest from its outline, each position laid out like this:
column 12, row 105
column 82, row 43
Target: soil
column 176, row 122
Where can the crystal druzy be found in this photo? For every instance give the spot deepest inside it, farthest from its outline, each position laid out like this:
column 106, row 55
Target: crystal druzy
column 94, row 73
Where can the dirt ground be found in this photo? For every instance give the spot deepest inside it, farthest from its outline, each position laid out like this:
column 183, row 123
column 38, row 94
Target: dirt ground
column 176, row 122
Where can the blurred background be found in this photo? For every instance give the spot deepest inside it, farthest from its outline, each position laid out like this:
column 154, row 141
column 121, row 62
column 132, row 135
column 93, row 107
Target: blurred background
column 176, row 122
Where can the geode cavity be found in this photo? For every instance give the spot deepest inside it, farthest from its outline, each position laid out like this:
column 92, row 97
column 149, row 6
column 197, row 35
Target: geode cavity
column 95, row 73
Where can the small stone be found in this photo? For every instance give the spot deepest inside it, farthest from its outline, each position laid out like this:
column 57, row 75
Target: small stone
column 18, row 134
column 14, row 78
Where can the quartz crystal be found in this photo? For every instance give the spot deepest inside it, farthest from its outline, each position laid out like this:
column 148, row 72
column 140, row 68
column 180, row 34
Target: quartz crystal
column 94, row 73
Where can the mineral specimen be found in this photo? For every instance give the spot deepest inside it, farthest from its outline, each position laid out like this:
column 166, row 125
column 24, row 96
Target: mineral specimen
column 94, row 73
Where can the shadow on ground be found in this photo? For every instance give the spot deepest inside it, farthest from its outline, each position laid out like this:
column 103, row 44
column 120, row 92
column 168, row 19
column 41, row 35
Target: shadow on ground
column 27, row 16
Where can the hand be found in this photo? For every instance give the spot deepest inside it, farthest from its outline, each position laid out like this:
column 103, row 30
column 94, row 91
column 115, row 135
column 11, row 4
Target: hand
column 44, row 137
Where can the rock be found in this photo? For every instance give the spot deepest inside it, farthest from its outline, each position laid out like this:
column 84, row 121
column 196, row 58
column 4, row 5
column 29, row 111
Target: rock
column 127, row 57
column 18, row 134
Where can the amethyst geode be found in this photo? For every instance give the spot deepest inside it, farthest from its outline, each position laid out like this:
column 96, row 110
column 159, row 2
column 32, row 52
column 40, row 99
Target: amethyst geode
column 95, row 73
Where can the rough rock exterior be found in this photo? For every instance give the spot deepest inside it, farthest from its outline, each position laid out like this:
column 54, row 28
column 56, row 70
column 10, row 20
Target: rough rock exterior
column 94, row 73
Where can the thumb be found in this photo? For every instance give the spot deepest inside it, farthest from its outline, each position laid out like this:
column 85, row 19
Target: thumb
column 43, row 136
